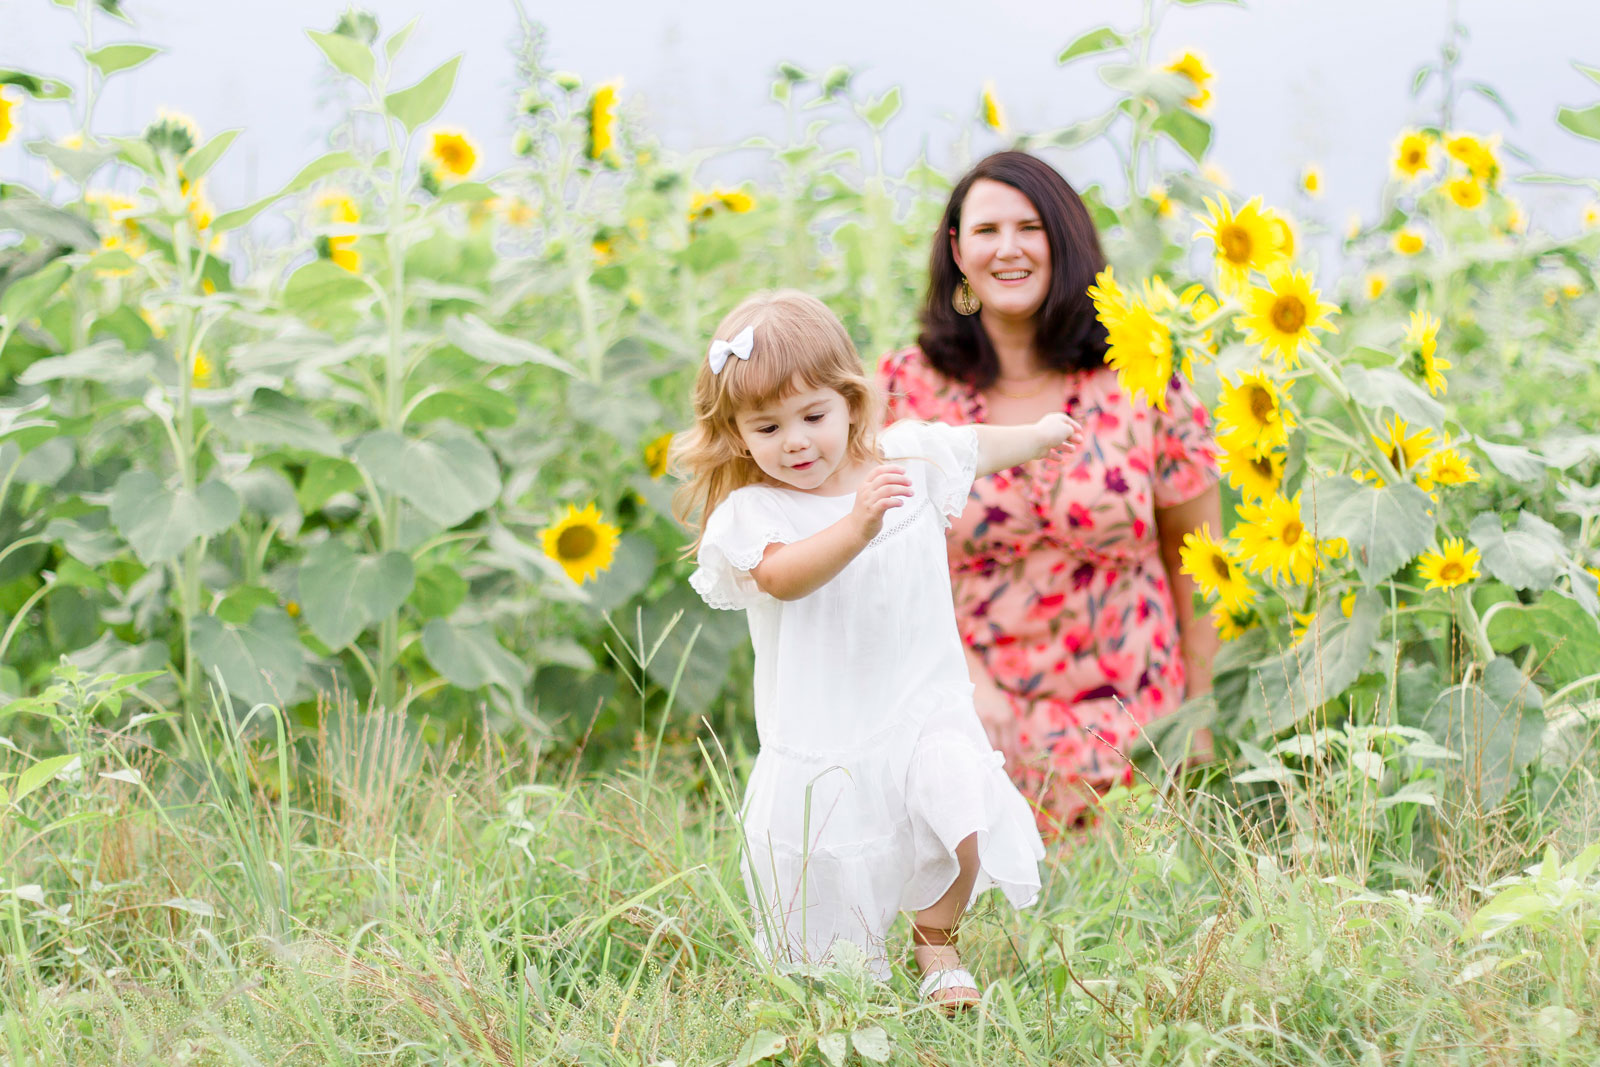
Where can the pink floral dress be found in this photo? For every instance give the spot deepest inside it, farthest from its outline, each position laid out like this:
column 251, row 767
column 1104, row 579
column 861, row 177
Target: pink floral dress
column 1057, row 572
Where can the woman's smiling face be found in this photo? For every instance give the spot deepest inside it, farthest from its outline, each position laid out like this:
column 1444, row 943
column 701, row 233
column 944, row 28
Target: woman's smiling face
column 1001, row 247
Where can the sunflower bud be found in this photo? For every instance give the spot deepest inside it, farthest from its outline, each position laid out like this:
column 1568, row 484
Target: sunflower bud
column 357, row 25
column 567, row 80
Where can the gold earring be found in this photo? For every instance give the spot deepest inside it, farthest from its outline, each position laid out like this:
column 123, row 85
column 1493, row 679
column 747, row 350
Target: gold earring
column 964, row 300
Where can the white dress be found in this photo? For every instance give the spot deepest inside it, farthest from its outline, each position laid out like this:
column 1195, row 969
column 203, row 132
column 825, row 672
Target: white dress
column 873, row 765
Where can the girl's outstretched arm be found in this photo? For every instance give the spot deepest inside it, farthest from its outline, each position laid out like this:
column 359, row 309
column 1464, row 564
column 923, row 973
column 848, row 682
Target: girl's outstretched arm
column 792, row 571
column 1003, row 447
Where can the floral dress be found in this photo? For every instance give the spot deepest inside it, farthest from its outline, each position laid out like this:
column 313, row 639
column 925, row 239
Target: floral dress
column 1057, row 572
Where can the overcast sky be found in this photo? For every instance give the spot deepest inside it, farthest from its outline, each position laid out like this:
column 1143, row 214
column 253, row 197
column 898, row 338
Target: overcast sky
column 1297, row 80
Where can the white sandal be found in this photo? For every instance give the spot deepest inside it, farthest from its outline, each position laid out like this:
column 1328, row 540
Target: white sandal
column 947, row 978
column 937, row 981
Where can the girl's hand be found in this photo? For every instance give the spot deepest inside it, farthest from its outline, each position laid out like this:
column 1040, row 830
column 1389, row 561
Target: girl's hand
column 886, row 487
column 1058, row 430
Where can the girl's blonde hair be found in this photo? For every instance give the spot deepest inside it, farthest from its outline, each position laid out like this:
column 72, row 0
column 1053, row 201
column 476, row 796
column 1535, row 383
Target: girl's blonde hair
column 799, row 344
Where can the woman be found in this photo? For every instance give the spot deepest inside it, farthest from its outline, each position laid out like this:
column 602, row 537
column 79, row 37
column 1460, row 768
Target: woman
column 1078, row 626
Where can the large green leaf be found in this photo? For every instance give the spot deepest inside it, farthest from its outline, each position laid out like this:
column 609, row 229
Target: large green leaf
column 35, row 86
column 266, row 492
column 347, row 54
column 118, row 57
column 104, row 361
column 275, row 419
column 23, row 299
column 1528, row 556
column 1385, row 526
column 160, row 522
column 877, row 113
column 467, row 404
column 1332, row 654
column 323, row 288
column 439, row 591
column 696, row 652
column 470, row 657
column 39, row 218
column 1584, row 123
column 342, row 593
column 314, row 171
column 1167, row 88
column 1188, row 131
column 205, row 157
column 448, row 476
column 1496, row 727
column 1514, row 461
column 323, row 478
column 481, row 341
column 260, row 661
column 77, row 163
column 1385, row 387
column 1096, row 40
column 1565, row 640
column 422, row 101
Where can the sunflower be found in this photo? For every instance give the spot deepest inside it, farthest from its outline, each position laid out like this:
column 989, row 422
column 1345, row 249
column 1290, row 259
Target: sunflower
column 1449, row 467
column 1422, row 340
column 1231, row 625
column 119, row 211
column 1245, row 241
column 1251, row 413
column 603, row 120
column 1456, row 565
column 1375, row 283
column 200, row 377
column 993, row 116
column 1404, row 448
column 1476, row 154
column 655, row 455
column 1212, row 566
column 705, row 204
column 1591, row 215
column 1311, row 180
column 517, row 211
column 1109, row 300
column 1411, row 152
column 7, row 123
column 1139, row 344
column 1516, row 217
column 1281, row 318
column 1255, row 474
column 1466, row 191
column 581, row 543
column 452, row 155
column 1274, row 540
column 1408, row 242
column 1157, row 195
column 1347, row 604
column 337, row 206
column 1193, row 67
column 1284, row 230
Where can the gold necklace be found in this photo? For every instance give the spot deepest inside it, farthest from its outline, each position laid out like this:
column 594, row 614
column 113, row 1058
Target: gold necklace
column 1046, row 376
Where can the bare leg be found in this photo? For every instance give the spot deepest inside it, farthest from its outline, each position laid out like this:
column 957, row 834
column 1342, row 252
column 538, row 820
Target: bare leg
column 945, row 913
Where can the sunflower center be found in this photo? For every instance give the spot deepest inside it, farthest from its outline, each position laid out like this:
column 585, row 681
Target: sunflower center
column 1291, row 532
column 1262, row 465
column 1288, row 314
column 1235, row 243
column 1220, row 565
column 1262, row 406
column 576, row 542
column 1397, row 458
column 1413, row 157
column 1452, row 572
column 452, row 154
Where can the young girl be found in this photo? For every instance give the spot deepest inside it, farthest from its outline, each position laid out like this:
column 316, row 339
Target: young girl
column 875, row 790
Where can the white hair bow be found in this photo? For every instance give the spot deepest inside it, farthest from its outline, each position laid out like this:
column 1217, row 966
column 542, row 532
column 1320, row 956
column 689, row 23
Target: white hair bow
column 740, row 346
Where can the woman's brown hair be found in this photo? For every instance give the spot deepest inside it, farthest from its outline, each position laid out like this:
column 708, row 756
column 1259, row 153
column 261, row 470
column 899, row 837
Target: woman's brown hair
column 1069, row 336
column 798, row 344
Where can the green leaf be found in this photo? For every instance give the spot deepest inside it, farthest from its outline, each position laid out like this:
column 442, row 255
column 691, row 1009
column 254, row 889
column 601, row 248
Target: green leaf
column 35, row 86
column 1564, row 639
column 1496, row 727
column 1592, row 73
column 439, row 591
column 709, row 251
column 265, row 491
column 1188, row 131
column 1420, row 79
column 39, row 218
column 470, row 657
column 1386, row 527
column 205, row 157
column 1515, row 462
column 877, row 113
column 104, row 361
column 1167, row 88
column 37, row 774
column 481, row 341
column 136, row 152
column 342, row 593
column 1096, row 40
column 160, row 522
column 1385, row 387
column 1585, row 123
column 467, row 404
column 761, row 1045
column 422, row 101
column 260, row 661
column 347, row 54
column 392, row 46
column 1332, row 655
column 275, row 419
column 834, row 1045
column 702, row 641
column 314, row 171
column 24, row 298
column 118, row 57
column 448, row 476
column 1488, row 93
column 1080, row 132
column 631, row 570
column 872, row 1043
column 466, row 193
column 321, row 288
column 1528, row 556
column 324, row 477
column 79, row 164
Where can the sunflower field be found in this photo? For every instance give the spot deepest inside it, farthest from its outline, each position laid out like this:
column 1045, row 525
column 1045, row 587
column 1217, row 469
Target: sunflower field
column 414, row 461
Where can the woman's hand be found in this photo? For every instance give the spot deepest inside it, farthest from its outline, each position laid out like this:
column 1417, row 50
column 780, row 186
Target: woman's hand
column 886, row 487
column 1055, row 430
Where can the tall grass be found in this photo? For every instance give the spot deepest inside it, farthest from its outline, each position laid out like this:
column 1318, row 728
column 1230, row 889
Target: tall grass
column 347, row 893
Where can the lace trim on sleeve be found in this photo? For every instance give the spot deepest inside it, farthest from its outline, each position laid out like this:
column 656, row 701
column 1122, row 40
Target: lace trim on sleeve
column 723, row 577
column 955, row 489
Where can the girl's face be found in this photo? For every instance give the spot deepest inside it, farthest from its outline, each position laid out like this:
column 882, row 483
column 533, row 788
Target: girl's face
column 1002, row 249
column 802, row 440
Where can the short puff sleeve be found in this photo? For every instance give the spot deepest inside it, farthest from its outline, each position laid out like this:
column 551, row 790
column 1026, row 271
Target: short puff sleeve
column 1185, row 448
column 737, row 535
column 949, row 455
